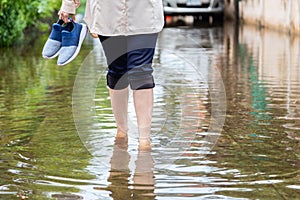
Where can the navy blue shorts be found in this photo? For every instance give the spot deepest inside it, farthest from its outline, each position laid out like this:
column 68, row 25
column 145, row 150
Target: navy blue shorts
column 129, row 60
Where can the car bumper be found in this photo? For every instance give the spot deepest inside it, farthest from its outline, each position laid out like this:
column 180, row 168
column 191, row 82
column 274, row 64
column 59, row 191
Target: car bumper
column 191, row 11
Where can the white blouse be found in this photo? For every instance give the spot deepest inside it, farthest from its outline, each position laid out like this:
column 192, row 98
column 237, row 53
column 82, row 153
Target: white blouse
column 120, row 17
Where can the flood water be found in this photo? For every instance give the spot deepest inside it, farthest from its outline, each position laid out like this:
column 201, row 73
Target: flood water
column 226, row 121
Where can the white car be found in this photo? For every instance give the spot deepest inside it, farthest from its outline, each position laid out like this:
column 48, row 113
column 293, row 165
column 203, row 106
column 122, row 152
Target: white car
column 204, row 8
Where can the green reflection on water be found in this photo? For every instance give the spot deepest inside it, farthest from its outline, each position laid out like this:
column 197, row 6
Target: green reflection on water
column 39, row 143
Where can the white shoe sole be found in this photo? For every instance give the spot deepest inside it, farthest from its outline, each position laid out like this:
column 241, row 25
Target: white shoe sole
column 55, row 55
column 81, row 38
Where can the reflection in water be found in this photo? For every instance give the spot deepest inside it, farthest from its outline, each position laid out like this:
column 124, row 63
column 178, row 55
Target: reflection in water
column 257, row 83
column 256, row 155
column 142, row 186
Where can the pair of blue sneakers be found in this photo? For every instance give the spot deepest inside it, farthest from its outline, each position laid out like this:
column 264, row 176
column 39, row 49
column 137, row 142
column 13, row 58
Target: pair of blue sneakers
column 65, row 41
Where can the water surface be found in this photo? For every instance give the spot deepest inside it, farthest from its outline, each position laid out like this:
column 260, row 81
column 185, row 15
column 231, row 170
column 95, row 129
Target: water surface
column 57, row 140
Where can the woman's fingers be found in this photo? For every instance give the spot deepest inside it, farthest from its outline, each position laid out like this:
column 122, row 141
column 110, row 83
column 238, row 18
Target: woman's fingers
column 73, row 18
column 65, row 16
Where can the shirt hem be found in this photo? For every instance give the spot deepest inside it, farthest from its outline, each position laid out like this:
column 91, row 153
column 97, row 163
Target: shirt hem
column 131, row 32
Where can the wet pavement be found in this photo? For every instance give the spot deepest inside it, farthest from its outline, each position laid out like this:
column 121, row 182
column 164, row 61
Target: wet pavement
column 226, row 121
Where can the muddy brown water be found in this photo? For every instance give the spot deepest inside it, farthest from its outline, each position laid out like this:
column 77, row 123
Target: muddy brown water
column 226, row 121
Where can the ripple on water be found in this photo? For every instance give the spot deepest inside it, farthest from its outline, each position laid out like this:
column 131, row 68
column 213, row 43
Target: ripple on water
column 256, row 156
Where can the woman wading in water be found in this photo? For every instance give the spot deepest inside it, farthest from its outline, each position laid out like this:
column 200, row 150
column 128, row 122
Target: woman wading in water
column 128, row 31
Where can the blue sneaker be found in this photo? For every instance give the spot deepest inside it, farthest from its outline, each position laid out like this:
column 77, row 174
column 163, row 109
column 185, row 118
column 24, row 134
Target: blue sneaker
column 53, row 43
column 71, row 42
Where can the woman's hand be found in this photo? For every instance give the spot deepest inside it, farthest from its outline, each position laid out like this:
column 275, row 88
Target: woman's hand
column 65, row 16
